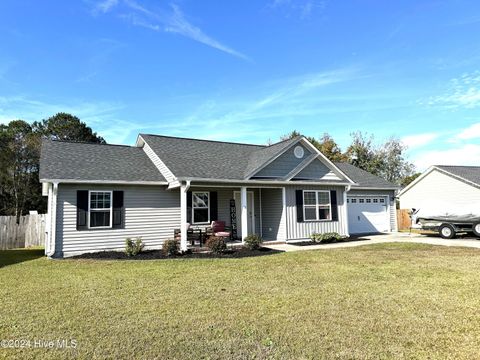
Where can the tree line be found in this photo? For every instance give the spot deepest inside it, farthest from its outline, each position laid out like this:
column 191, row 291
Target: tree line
column 20, row 144
column 386, row 159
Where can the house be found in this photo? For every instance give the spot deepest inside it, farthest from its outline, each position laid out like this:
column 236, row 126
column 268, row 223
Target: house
column 443, row 188
column 98, row 195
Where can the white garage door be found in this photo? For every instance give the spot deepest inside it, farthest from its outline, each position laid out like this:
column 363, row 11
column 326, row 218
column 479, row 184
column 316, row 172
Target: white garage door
column 368, row 214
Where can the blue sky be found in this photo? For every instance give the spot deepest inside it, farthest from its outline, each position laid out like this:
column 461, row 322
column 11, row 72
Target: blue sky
column 251, row 71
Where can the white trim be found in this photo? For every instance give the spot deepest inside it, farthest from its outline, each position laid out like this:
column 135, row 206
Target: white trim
column 409, row 186
column 248, row 192
column 275, row 182
column 100, row 182
column 261, row 211
column 103, row 209
column 235, row 186
column 332, row 165
column 284, row 212
column 345, row 210
column 152, row 155
column 374, row 188
column 317, row 206
column 183, row 217
column 208, row 207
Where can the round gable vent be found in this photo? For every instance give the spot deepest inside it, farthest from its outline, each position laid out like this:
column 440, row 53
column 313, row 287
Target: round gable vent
column 299, row 152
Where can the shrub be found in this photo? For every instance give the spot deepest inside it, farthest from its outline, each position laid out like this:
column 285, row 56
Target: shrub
column 216, row 244
column 170, row 248
column 133, row 248
column 326, row 238
column 253, row 242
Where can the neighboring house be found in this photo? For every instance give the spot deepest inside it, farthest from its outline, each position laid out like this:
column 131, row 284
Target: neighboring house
column 98, row 195
column 443, row 188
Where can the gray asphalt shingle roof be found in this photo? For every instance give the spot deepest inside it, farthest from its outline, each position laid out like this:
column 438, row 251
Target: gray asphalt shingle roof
column 211, row 159
column 81, row 161
column 470, row 173
column 364, row 178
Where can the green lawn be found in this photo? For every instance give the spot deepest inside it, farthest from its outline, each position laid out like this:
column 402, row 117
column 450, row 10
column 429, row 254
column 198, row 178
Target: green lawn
column 376, row 301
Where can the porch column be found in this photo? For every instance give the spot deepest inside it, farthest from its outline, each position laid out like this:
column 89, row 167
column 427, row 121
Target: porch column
column 244, row 215
column 284, row 213
column 183, row 217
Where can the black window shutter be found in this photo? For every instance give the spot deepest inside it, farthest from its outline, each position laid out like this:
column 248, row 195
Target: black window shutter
column 118, row 210
column 213, row 206
column 333, row 202
column 189, row 207
column 299, row 202
column 82, row 209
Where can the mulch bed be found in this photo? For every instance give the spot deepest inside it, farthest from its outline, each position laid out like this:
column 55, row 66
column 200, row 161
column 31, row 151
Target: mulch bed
column 309, row 242
column 158, row 255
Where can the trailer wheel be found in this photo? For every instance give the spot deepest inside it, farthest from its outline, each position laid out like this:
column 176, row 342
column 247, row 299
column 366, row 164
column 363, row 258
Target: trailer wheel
column 447, row 231
column 476, row 229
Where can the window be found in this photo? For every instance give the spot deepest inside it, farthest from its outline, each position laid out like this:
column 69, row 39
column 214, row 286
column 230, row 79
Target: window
column 354, row 201
column 361, row 201
column 375, row 200
column 316, row 205
column 200, row 207
column 100, row 209
column 382, row 200
column 369, row 200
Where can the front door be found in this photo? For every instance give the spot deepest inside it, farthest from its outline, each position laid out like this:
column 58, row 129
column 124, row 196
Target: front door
column 250, row 212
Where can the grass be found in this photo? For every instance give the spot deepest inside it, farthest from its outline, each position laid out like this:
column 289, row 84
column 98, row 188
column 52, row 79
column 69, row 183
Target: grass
column 374, row 301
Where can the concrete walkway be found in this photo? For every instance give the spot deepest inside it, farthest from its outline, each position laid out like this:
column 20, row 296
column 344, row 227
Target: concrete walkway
column 383, row 238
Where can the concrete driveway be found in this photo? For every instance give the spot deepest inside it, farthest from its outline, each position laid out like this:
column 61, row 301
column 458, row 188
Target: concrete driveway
column 383, row 238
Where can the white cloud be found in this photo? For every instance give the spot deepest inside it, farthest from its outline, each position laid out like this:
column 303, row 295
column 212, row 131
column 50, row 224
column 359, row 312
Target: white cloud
column 472, row 132
column 462, row 92
column 173, row 21
column 301, row 8
column 419, row 140
column 468, row 154
column 105, row 6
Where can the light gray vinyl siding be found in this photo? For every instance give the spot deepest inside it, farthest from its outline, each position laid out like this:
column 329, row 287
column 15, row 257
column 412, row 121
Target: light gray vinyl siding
column 273, row 226
column 302, row 230
column 316, row 170
column 283, row 164
column 151, row 212
column 391, row 202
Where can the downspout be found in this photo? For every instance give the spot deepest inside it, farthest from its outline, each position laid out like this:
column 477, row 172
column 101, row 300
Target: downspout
column 345, row 208
column 53, row 221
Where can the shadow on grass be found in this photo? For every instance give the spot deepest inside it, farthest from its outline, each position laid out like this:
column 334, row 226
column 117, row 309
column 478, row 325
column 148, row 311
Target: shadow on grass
column 17, row 256
column 310, row 243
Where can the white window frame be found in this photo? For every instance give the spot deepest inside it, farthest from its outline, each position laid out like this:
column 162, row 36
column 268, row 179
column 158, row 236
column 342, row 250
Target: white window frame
column 317, row 205
column 193, row 208
column 103, row 209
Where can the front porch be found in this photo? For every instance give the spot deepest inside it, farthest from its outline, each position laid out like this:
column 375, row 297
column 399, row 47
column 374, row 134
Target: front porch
column 245, row 211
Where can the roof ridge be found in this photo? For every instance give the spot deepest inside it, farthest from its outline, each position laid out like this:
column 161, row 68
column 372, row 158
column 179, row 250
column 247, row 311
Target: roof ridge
column 467, row 166
column 87, row 143
column 204, row 140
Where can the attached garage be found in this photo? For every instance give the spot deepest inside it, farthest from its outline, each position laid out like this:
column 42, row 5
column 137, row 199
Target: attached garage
column 368, row 214
column 371, row 204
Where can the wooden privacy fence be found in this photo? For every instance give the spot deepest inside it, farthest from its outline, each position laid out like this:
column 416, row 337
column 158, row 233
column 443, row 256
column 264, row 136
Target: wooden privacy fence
column 403, row 219
column 30, row 231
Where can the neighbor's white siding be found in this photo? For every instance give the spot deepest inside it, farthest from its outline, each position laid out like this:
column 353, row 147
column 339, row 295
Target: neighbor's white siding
column 440, row 192
column 151, row 212
column 302, row 230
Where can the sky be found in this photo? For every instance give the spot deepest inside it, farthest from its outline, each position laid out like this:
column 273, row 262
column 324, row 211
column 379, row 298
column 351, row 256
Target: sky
column 251, row 71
